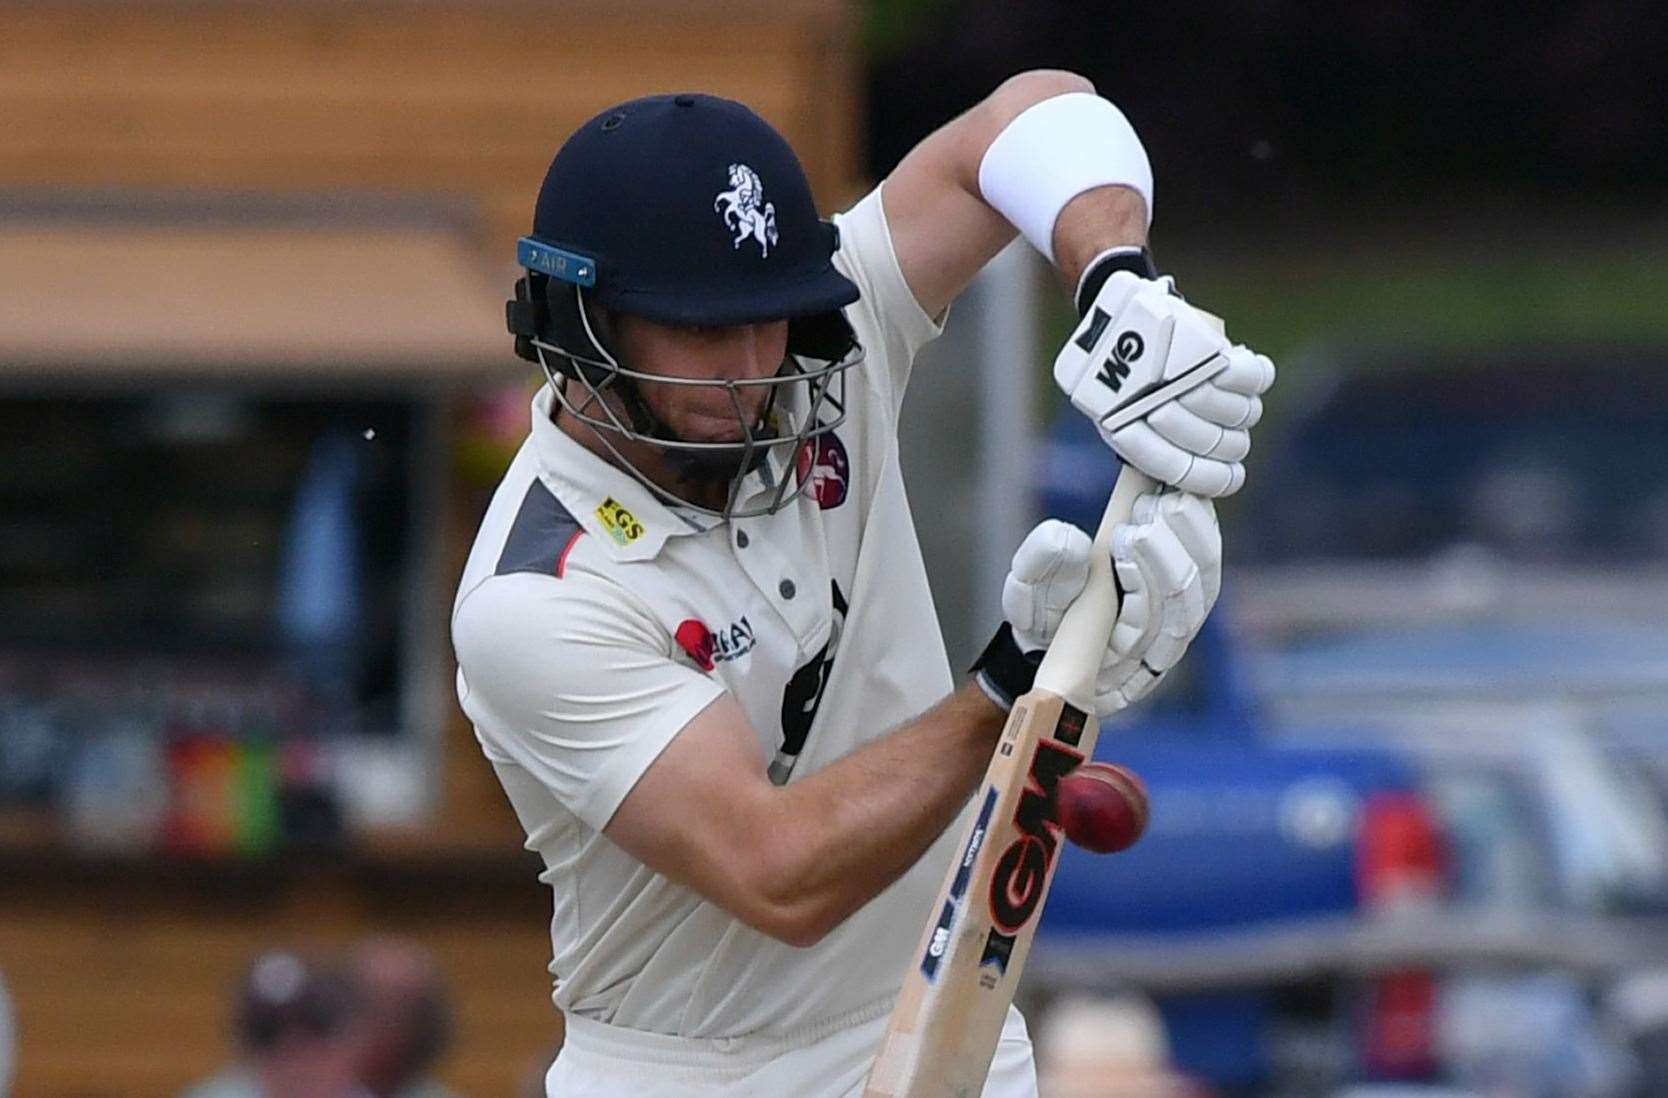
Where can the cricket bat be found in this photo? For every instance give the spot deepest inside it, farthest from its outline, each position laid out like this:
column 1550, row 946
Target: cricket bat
column 948, row 1018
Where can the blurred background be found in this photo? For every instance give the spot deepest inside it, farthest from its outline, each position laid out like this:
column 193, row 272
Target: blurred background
column 1409, row 788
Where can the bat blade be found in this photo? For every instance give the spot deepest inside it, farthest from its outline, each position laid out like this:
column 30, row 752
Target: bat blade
column 948, row 1018
column 949, row 1015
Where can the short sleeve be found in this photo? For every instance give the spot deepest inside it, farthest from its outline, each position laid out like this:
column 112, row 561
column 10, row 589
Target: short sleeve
column 572, row 681
column 888, row 319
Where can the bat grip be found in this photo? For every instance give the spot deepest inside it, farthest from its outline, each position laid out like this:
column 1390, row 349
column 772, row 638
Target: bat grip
column 1072, row 662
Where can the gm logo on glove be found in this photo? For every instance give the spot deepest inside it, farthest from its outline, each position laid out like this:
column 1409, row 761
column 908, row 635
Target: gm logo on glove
column 1127, row 348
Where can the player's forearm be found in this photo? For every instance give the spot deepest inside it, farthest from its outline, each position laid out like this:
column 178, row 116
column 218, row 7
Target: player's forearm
column 851, row 829
column 1094, row 221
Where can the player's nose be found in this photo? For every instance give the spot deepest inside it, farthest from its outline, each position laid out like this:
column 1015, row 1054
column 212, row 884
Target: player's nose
column 754, row 353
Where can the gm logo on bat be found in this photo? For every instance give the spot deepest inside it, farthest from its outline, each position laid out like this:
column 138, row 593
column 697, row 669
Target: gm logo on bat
column 1128, row 347
column 1016, row 887
column 940, row 941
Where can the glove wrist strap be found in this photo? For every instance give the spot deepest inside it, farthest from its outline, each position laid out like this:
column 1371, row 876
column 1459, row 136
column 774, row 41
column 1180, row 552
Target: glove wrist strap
column 1130, row 257
column 1004, row 672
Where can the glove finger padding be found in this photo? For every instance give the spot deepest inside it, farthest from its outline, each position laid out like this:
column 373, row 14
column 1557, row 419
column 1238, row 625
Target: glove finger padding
column 1168, row 560
column 1175, row 592
column 1176, row 424
column 1050, row 569
column 1136, row 624
column 1123, row 678
column 1133, row 685
column 1235, row 411
column 1248, row 372
column 1193, row 519
column 1147, row 450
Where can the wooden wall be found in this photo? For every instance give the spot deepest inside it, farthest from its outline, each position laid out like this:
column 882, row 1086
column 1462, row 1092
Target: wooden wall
column 461, row 101
column 123, row 988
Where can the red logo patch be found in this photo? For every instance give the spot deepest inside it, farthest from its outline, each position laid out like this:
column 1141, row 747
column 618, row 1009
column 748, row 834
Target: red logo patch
column 823, row 459
column 696, row 639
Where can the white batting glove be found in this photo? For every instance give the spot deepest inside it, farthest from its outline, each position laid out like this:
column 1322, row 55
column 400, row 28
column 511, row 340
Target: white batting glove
column 1168, row 560
column 1135, row 336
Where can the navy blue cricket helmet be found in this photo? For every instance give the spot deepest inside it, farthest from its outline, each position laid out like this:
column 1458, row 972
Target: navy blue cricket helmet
column 687, row 210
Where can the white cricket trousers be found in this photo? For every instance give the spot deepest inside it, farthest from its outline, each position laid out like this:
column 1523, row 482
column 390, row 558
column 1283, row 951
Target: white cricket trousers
column 830, row 1060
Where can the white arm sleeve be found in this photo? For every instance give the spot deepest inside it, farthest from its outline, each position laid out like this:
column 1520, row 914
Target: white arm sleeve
column 1053, row 152
column 574, row 682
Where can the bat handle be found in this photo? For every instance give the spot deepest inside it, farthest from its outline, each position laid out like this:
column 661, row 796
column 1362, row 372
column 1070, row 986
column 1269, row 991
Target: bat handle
column 1072, row 662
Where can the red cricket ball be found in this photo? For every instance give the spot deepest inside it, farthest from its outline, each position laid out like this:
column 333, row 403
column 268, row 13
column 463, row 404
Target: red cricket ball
column 1101, row 807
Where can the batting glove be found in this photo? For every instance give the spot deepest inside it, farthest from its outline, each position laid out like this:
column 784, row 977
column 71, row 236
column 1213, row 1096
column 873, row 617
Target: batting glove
column 1168, row 560
column 1137, row 334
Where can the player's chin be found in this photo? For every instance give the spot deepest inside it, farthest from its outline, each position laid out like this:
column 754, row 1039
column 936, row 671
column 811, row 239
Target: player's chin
column 715, row 466
column 723, row 428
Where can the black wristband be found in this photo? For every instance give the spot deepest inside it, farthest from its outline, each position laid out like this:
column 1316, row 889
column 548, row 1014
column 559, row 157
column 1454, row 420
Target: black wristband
column 1003, row 671
column 1138, row 261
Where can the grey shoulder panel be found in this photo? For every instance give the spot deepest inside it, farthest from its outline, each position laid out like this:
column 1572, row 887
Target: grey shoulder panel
column 540, row 536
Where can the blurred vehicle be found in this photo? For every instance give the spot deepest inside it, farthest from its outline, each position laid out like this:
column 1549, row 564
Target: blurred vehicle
column 1252, row 844
column 1434, row 530
column 1243, row 909
column 1534, row 454
column 1557, row 880
column 1557, row 840
column 1513, row 769
column 1466, row 551
column 1435, row 892
column 1507, row 504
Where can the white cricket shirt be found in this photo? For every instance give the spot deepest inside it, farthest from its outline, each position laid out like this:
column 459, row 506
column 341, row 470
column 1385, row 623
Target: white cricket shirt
column 593, row 622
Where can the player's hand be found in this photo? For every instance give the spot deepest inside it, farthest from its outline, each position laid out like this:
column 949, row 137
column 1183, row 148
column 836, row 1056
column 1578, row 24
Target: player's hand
column 1168, row 560
column 1135, row 336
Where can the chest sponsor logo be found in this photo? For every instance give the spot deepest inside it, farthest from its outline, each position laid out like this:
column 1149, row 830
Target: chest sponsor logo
column 823, row 460
column 708, row 647
column 621, row 524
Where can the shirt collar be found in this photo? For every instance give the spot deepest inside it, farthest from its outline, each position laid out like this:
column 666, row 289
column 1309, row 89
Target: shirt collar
column 611, row 503
column 630, row 521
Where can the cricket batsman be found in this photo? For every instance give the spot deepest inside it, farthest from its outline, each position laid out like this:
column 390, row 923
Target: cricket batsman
column 694, row 634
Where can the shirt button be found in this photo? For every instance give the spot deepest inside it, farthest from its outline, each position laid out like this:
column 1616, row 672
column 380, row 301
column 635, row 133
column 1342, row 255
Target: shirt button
column 787, row 589
column 741, row 538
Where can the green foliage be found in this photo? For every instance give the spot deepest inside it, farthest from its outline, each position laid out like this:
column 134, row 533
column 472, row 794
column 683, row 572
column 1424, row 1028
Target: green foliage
column 889, row 25
column 1508, row 293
